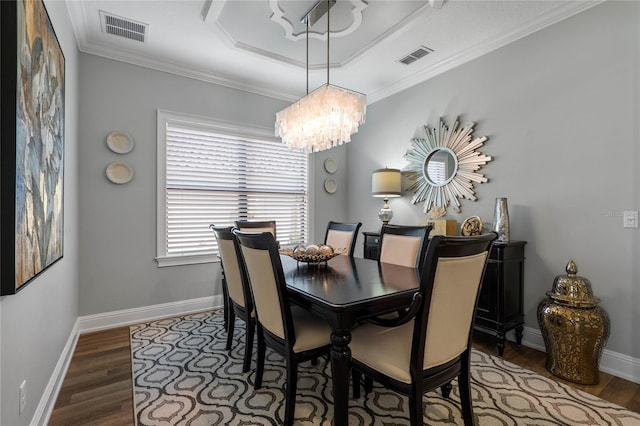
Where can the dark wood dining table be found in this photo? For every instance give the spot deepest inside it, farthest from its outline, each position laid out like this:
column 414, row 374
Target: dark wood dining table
column 343, row 291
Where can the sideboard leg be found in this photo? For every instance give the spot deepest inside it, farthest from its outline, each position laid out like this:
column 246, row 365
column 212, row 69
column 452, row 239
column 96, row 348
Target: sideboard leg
column 501, row 339
column 519, row 330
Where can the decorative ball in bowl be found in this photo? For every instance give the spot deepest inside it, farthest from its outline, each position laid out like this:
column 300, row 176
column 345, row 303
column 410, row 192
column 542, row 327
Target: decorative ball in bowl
column 314, row 253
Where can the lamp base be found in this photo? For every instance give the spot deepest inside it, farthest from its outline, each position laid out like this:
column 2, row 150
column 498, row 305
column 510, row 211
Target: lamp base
column 385, row 213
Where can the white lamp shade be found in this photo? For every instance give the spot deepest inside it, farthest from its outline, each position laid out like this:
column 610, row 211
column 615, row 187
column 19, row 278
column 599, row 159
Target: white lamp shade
column 386, row 183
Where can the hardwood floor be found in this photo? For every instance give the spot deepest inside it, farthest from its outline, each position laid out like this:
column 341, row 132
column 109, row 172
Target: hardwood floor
column 98, row 388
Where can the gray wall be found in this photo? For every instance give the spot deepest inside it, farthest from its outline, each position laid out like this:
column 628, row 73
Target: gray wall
column 118, row 222
column 36, row 323
column 561, row 109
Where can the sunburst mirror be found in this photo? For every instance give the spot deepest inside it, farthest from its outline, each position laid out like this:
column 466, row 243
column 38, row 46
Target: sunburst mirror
column 443, row 165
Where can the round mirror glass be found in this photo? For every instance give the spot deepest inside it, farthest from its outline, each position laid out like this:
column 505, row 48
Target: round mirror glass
column 440, row 166
column 435, row 159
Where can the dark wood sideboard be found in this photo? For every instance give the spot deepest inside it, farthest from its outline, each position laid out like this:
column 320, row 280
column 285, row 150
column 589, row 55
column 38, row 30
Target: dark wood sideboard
column 371, row 245
column 501, row 304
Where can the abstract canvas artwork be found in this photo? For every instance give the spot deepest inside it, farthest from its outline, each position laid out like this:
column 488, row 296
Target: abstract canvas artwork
column 32, row 148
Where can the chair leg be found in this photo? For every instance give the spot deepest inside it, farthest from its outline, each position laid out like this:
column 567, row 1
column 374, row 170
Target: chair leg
column 415, row 409
column 262, row 349
column 368, row 384
column 230, row 327
column 464, row 385
column 292, row 386
column 355, row 382
column 248, row 348
column 446, row 390
column 225, row 305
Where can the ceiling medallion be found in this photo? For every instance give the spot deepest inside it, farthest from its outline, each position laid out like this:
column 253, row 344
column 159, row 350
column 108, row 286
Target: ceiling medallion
column 443, row 165
column 282, row 12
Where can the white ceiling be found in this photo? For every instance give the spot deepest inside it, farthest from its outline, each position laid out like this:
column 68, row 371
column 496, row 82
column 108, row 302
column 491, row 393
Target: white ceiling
column 260, row 45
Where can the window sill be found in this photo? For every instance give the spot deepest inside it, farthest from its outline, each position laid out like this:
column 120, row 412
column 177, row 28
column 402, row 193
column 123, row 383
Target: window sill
column 165, row 261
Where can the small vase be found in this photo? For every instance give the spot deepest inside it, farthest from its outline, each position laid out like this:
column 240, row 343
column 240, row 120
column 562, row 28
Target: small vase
column 501, row 220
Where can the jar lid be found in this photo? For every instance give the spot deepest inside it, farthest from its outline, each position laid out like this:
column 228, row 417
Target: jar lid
column 572, row 289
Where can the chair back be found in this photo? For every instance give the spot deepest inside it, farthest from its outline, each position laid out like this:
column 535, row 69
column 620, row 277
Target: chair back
column 342, row 235
column 450, row 284
column 404, row 245
column 235, row 275
column 257, row 226
column 264, row 269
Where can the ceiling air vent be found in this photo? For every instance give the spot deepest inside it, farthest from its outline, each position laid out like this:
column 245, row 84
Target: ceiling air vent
column 420, row 52
column 123, row 27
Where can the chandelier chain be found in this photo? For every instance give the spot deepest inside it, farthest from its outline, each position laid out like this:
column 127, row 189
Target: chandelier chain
column 328, row 36
column 326, row 117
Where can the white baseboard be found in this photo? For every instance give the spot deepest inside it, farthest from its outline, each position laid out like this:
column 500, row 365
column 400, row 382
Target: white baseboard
column 114, row 319
column 614, row 363
column 105, row 321
column 50, row 394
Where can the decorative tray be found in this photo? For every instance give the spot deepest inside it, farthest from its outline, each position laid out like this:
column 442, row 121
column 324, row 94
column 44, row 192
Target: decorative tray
column 312, row 258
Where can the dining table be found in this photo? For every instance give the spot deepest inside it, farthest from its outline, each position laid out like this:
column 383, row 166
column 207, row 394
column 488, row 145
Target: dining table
column 344, row 291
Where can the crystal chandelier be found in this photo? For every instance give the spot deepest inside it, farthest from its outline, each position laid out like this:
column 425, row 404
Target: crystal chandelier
column 326, row 117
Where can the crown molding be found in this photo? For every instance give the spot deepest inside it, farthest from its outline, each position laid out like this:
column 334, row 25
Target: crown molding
column 558, row 14
column 173, row 68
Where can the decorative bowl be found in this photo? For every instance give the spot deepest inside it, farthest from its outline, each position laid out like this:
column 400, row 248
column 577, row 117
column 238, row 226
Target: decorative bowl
column 313, row 258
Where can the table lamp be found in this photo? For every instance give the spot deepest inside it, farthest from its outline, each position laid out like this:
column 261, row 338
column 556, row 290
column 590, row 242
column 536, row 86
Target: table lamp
column 386, row 183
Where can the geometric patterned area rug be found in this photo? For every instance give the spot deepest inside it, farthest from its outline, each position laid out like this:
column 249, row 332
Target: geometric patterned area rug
column 183, row 375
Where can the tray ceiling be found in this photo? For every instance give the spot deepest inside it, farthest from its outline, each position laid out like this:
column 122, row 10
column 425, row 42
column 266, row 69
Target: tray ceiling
column 261, row 45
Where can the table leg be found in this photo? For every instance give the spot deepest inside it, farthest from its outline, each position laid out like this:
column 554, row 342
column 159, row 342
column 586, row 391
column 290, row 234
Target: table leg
column 340, row 365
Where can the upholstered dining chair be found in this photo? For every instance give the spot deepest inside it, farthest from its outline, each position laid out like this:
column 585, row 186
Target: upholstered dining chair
column 286, row 328
column 225, row 292
column 431, row 344
column 404, row 245
column 239, row 299
column 342, row 235
column 257, row 226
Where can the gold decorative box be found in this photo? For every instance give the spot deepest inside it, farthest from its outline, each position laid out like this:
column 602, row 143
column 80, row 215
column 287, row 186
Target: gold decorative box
column 443, row 227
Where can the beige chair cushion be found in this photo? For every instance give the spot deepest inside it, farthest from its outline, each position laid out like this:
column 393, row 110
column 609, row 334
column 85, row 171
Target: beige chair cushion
column 388, row 349
column 452, row 307
column 311, row 331
column 400, row 250
column 231, row 271
column 265, row 292
column 339, row 239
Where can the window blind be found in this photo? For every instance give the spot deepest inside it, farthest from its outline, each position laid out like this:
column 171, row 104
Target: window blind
column 217, row 178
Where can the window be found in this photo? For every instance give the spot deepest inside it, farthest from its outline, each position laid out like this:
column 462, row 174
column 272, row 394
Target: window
column 212, row 172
